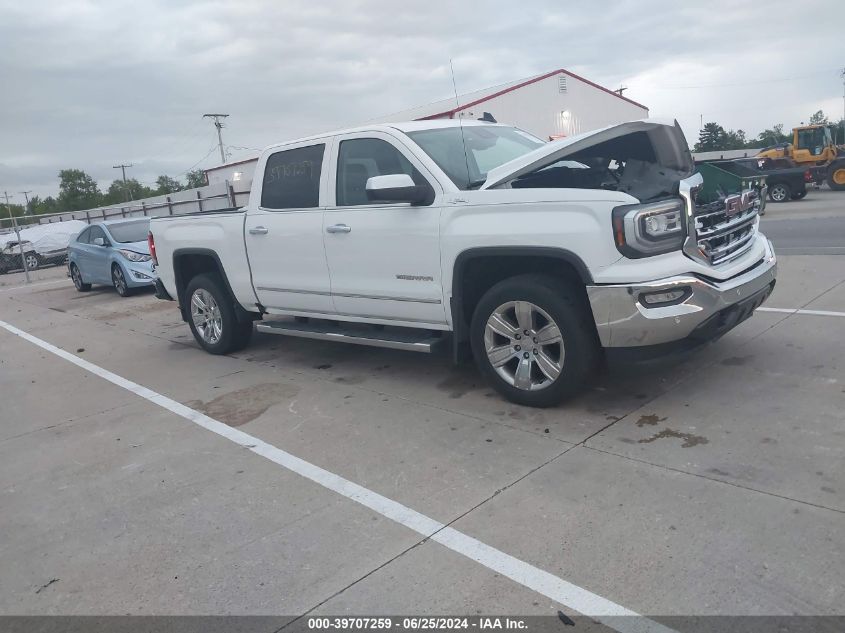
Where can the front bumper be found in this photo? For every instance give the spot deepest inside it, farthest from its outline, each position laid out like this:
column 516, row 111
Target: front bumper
column 710, row 308
column 139, row 273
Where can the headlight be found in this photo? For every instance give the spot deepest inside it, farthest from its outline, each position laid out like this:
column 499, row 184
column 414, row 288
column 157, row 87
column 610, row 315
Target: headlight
column 132, row 256
column 642, row 230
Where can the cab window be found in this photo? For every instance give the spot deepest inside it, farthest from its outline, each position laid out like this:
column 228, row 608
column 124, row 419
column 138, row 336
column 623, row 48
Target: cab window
column 362, row 158
column 292, row 178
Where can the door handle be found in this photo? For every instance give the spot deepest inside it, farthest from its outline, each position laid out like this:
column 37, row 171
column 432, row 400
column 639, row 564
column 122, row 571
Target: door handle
column 338, row 228
column 259, row 230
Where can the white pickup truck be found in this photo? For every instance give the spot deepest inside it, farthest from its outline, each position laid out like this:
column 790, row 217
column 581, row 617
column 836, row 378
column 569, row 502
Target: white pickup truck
column 539, row 257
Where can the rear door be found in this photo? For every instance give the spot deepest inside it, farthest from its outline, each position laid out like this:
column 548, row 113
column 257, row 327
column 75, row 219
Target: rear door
column 284, row 231
column 384, row 258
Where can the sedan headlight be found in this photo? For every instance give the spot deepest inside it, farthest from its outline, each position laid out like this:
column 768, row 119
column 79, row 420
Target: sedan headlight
column 132, row 256
column 642, row 230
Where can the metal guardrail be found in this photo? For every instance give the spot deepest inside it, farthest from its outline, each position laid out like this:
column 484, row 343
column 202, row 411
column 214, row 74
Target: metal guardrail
column 233, row 199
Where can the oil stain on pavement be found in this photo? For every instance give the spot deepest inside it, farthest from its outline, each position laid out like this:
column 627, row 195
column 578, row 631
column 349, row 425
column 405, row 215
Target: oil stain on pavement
column 236, row 408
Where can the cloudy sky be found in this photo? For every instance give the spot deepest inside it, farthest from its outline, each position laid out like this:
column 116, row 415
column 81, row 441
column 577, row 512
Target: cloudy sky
column 93, row 84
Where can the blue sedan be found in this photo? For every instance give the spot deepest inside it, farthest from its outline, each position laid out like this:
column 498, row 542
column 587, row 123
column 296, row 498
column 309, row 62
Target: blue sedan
column 114, row 253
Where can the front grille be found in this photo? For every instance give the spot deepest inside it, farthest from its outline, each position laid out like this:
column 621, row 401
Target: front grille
column 723, row 236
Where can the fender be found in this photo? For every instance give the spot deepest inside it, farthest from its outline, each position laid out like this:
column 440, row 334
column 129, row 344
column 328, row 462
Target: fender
column 181, row 284
column 460, row 330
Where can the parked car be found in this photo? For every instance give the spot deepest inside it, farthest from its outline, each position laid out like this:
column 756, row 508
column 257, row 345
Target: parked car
column 10, row 256
column 114, row 253
column 537, row 256
column 784, row 183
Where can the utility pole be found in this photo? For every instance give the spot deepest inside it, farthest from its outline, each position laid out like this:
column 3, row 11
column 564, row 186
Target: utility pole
column 843, row 104
column 26, row 195
column 122, row 168
column 219, row 125
column 18, row 234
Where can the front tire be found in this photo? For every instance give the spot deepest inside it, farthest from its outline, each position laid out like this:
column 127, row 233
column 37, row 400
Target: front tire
column 32, row 261
column 534, row 340
column 836, row 176
column 212, row 317
column 779, row 192
column 118, row 280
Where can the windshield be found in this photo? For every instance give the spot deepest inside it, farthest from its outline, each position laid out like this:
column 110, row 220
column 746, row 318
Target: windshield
column 130, row 231
column 487, row 147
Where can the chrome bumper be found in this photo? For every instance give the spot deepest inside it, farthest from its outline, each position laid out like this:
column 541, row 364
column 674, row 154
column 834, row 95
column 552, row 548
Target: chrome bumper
column 710, row 309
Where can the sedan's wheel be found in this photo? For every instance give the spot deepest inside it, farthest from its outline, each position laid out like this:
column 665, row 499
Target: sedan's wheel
column 119, row 281
column 779, row 193
column 31, row 260
column 213, row 321
column 533, row 338
column 77, row 279
column 524, row 345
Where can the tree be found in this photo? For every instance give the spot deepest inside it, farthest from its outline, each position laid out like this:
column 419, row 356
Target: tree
column 117, row 191
column 47, row 205
column 774, row 136
column 77, row 190
column 166, row 185
column 711, row 138
column 818, row 118
column 196, row 178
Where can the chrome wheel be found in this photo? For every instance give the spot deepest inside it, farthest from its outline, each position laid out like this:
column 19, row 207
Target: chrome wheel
column 31, row 261
column 118, row 280
column 524, row 345
column 206, row 316
column 779, row 193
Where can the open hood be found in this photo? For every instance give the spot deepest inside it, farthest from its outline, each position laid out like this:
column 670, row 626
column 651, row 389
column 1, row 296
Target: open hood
column 658, row 144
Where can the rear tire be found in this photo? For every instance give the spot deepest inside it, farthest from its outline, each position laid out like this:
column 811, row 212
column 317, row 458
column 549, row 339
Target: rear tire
column 836, row 175
column 32, row 261
column 212, row 317
column 554, row 359
column 779, row 192
column 77, row 279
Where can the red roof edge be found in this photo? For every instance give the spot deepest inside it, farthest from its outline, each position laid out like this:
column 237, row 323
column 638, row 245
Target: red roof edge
column 451, row 113
column 237, row 162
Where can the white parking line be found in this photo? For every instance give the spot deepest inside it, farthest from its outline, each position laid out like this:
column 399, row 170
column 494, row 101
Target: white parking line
column 800, row 311
column 525, row 574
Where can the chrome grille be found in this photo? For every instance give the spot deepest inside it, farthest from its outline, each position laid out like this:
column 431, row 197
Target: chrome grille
column 725, row 229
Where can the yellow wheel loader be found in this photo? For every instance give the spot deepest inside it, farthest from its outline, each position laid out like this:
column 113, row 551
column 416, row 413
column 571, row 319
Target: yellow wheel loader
column 812, row 147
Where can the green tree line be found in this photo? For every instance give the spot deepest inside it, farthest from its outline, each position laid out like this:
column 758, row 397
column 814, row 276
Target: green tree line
column 78, row 191
column 713, row 137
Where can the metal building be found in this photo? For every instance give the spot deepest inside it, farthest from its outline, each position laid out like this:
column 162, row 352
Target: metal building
column 552, row 105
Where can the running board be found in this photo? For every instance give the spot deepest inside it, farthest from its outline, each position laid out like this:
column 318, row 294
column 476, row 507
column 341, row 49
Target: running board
column 404, row 338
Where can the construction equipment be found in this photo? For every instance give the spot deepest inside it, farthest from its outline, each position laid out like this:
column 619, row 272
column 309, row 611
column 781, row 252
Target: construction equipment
column 812, row 146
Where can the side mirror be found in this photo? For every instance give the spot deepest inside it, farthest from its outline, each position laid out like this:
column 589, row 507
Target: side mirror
column 99, row 241
column 397, row 188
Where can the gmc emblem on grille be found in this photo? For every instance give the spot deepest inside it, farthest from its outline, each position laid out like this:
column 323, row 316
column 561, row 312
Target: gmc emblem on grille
column 739, row 203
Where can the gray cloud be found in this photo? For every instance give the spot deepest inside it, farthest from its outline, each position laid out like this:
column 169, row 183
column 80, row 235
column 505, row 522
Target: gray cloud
column 91, row 84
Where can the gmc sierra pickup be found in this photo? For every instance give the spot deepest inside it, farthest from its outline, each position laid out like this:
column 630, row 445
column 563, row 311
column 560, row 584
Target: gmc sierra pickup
column 538, row 257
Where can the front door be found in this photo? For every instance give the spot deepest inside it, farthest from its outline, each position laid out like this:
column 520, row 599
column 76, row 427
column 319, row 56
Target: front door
column 284, row 235
column 384, row 258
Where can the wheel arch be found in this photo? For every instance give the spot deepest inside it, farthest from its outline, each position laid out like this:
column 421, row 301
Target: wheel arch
column 476, row 270
column 190, row 262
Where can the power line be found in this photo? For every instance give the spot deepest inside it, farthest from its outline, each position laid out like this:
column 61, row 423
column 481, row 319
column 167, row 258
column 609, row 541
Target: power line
column 219, row 125
column 213, row 147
